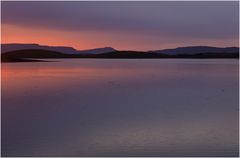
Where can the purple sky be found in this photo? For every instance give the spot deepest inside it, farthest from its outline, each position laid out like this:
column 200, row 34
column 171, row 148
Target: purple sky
column 123, row 25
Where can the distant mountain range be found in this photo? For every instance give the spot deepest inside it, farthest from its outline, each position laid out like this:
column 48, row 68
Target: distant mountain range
column 197, row 50
column 34, row 52
column 66, row 50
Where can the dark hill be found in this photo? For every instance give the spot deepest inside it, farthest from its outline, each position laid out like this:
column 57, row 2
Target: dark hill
column 198, row 50
column 131, row 55
column 30, row 55
column 62, row 49
column 152, row 55
column 33, row 54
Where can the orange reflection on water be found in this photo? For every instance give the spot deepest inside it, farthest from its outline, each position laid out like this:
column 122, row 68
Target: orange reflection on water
column 57, row 75
column 80, row 73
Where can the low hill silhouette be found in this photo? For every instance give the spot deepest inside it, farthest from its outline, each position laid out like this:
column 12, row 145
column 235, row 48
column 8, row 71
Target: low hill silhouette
column 62, row 49
column 33, row 54
column 197, row 50
column 30, row 55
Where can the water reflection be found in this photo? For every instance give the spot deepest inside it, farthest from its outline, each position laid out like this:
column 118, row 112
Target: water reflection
column 120, row 108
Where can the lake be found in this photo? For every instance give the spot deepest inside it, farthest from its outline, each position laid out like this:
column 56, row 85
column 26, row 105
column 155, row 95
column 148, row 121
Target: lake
column 120, row 107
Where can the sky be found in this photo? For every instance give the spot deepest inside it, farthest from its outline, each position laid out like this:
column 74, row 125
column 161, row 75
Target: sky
column 121, row 25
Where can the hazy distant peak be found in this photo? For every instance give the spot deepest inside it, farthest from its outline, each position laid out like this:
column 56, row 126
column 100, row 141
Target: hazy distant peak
column 63, row 49
column 106, row 48
column 98, row 50
column 197, row 50
column 70, row 50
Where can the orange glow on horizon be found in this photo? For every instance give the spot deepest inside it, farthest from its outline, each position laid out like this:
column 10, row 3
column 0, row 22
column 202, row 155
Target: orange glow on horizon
column 15, row 34
column 82, row 40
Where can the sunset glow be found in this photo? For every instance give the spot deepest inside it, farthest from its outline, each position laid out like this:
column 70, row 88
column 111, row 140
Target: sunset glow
column 102, row 25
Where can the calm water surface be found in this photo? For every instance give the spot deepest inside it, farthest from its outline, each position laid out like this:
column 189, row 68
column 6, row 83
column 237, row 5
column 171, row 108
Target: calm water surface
column 117, row 107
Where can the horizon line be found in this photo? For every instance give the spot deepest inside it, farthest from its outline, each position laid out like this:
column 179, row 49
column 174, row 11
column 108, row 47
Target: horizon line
column 122, row 49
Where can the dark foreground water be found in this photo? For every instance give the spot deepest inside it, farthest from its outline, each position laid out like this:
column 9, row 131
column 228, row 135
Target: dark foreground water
column 120, row 108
